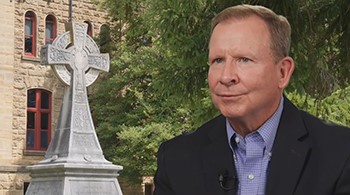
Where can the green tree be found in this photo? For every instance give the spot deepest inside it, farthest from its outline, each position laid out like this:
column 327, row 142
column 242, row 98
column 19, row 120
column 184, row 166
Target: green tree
column 334, row 108
column 157, row 88
column 132, row 117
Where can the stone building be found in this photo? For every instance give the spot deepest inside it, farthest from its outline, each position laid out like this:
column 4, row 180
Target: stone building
column 30, row 94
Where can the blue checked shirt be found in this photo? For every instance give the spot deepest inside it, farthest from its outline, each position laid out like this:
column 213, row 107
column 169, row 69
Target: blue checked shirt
column 252, row 154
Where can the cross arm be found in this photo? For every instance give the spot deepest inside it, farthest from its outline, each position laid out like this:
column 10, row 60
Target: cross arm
column 54, row 55
column 99, row 61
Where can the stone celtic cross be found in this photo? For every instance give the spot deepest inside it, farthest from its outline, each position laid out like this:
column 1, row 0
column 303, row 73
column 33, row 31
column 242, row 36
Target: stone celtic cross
column 74, row 162
column 79, row 51
column 76, row 60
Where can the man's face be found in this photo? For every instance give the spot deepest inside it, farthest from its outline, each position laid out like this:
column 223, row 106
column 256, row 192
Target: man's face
column 244, row 78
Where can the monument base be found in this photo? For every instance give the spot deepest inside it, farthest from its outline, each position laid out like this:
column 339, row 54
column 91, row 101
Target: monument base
column 74, row 179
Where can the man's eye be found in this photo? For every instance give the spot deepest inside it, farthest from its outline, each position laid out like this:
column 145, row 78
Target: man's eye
column 243, row 59
column 218, row 61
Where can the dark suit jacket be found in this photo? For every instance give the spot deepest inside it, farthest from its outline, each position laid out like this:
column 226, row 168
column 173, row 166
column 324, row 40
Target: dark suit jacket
column 309, row 157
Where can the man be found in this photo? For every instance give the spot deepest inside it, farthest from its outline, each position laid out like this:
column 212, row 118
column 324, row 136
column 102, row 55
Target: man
column 261, row 144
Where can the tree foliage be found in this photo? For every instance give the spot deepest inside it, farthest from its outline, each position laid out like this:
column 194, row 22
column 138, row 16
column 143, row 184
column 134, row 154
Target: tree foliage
column 157, row 88
column 334, row 108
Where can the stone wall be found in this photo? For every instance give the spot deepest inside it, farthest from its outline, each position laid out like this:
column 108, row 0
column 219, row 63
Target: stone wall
column 6, row 79
column 12, row 179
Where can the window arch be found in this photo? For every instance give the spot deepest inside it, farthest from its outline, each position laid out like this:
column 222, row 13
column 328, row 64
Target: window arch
column 30, row 34
column 50, row 29
column 89, row 30
column 38, row 119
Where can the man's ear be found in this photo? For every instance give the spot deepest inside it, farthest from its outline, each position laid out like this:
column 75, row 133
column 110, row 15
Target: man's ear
column 286, row 68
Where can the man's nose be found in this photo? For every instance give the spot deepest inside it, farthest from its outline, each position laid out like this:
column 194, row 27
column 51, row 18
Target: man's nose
column 229, row 74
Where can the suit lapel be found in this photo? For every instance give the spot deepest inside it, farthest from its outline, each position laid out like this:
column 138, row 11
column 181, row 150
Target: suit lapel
column 217, row 159
column 290, row 151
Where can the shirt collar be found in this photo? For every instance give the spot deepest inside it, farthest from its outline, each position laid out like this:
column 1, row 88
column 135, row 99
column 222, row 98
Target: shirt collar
column 267, row 131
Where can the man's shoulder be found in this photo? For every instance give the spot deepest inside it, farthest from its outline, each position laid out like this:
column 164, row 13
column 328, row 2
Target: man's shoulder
column 333, row 132
column 316, row 126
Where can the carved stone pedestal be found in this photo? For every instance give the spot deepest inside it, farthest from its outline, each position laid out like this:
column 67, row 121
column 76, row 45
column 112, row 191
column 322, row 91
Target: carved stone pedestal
column 74, row 179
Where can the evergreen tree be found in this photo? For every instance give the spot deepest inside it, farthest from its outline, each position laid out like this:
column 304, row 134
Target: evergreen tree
column 157, row 88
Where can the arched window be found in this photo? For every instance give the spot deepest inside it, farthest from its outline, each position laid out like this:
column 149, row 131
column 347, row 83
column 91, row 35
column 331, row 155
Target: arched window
column 50, row 29
column 38, row 119
column 89, row 30
column 30, row 34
